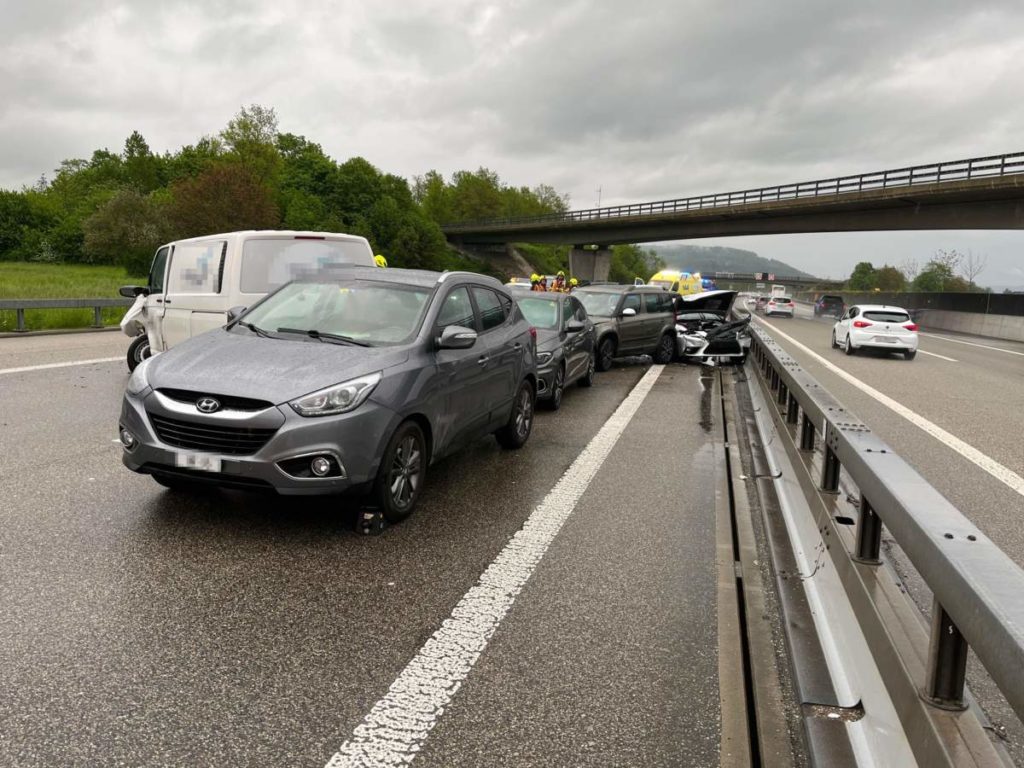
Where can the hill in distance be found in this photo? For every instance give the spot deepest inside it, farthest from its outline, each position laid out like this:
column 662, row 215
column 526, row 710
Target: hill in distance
column 716, row 258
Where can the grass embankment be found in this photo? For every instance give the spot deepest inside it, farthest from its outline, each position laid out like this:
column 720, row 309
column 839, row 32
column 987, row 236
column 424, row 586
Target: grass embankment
column 20, row 280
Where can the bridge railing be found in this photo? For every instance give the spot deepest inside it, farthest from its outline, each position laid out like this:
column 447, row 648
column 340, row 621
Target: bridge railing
column 978, row 590
column 949, row 171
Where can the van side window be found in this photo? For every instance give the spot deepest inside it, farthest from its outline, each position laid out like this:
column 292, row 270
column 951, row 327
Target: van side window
column 156, row 272
column 196, row 268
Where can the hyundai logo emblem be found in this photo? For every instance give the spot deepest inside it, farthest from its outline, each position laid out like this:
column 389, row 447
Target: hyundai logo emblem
column 207, row 405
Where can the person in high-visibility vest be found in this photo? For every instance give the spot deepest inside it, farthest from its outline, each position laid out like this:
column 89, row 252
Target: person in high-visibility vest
column 573, row 284
column 559, row 284
column 535, row 283
column 380, row 261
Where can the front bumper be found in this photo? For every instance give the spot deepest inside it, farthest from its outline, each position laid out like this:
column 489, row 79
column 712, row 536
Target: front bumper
column 355, row 439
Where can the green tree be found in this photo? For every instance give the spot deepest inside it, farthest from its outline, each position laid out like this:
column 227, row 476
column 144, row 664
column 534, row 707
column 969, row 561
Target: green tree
column 141, row 167
column 937, row 276
column 225, row 198
column 890, row 279
column 863, row 277
column 632, row 261
column 251, row 140
column 126, row 230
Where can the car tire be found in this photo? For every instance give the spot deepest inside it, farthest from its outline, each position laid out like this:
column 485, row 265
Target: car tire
column 554, row 402
column 138, row 351
column 848, row 347
column 605, row 352
column 520, row 421
column 587, row 380
column 402, row 473
column 665, row 349
column 910, row 354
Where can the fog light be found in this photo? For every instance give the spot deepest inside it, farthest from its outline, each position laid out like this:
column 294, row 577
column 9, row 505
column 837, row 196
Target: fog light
column 127, row 439
column 320, row 466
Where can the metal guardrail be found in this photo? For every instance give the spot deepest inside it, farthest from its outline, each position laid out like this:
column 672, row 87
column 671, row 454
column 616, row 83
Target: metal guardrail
column 953, row 170
column 978, row 590
column 20, row 305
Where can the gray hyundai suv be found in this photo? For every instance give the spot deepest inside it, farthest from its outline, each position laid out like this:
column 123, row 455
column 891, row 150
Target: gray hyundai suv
column 630, row 320
column 355, row 381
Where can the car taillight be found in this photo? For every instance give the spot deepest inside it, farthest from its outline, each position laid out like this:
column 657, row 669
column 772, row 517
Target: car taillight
column 533, row 333
column 861, row 324
column 911, row 326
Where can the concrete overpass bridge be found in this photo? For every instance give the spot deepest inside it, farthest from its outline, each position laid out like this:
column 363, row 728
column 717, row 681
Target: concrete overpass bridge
column 978, row 193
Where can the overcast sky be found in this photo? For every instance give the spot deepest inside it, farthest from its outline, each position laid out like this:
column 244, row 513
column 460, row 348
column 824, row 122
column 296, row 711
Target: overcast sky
column 643, row 99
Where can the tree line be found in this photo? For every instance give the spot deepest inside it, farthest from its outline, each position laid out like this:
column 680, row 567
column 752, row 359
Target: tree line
column 117, row 207
column 949, row 271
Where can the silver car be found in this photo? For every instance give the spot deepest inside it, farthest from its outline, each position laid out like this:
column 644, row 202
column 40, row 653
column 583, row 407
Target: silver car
column 352, row 382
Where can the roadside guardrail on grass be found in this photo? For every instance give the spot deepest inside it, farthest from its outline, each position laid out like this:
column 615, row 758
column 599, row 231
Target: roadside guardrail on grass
column 20, row 305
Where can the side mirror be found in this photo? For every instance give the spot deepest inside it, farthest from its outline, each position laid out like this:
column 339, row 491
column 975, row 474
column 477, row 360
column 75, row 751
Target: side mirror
column 574, row 326
column 628, row 312
column 132, row 291
column 456, row 337
column 235, row 312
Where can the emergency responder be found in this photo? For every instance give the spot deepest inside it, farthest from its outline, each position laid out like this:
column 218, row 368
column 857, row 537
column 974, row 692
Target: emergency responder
column 380, row 261
column 559, row 284
column 535, row 282
column 573, row 284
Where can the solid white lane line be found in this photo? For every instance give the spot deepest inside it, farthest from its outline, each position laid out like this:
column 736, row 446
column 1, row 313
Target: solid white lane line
column 932, row 354
column 1004, row 474
column 971, row 344
column 47, row 366
column 397, row 725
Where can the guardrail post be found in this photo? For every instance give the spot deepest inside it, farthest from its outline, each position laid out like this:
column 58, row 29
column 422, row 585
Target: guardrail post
column 775, row 378
column 806, row 433
column 792, row 410
column 869, row 535
column 20, row 319
column 947, row 662
column 97, row 317
column 783, row 393
column 829, row 466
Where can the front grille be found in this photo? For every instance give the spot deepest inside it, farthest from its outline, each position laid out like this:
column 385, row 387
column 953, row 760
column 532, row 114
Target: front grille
column 228, row 402
column 211, row 438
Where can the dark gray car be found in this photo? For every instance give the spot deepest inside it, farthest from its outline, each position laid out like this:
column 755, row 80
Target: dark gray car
column 565, row 343
column 630, row 320
column 355, row 382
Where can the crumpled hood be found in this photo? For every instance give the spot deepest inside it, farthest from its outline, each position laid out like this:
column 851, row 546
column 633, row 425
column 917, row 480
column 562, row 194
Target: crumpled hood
column 279, row 370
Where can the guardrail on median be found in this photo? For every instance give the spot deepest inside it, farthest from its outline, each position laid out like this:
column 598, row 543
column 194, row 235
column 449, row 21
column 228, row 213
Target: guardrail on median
column 20, row 305
column 953, row 170
column 978, row 590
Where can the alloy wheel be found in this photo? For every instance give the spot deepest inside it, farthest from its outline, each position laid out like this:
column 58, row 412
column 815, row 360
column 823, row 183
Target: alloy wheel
column 404, row 477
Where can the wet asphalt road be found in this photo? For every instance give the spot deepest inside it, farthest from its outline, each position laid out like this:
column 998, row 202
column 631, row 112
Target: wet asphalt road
column 144, row 627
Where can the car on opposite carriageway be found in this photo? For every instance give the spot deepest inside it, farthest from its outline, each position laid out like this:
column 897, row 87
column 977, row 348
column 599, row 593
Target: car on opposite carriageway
column 566, row 350
column 354, row 381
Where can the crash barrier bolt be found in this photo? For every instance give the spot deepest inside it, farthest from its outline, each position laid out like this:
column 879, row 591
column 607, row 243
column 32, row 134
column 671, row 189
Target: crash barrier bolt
column 783, row 393
column 806, row 433
column 792, row 410
column 869, row 534
column 830, row 471
column 947, row 662
column 20, row 315
column 97, row 319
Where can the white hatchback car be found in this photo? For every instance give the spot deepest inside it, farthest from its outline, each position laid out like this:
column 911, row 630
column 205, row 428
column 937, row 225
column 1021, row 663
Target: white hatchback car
column 876, row 326
column 779, row 305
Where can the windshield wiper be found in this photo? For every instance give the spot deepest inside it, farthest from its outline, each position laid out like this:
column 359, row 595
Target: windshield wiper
column 255, row 329
column 322, row 335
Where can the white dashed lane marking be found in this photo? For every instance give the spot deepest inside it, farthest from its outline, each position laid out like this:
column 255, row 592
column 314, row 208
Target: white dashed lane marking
column 973, row 344
column 48, row 366
column 932, row 354
column 397, row 725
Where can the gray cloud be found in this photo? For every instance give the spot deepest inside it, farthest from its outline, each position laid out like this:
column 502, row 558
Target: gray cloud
column 646, row 100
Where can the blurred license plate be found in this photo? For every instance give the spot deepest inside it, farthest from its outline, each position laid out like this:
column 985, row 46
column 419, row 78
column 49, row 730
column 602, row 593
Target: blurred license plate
column 201, row 461
column 888, row 339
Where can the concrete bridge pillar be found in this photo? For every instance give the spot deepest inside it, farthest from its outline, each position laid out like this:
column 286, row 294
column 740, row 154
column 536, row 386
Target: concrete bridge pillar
column 590, row 264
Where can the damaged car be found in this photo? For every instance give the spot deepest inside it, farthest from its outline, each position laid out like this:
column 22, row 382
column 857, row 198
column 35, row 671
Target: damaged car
column 704, row 330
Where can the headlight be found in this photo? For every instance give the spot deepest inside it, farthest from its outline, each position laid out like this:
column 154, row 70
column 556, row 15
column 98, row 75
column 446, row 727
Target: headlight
column 341, row 398
column 138, row 382
column 544, row 357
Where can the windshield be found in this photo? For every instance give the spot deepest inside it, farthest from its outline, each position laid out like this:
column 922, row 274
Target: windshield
column 541, row 313
column 364, row 311
column 270, row 262
column 597, row 303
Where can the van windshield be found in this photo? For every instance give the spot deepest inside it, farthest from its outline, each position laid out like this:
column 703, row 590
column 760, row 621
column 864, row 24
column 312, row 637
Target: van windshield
column 270, row 262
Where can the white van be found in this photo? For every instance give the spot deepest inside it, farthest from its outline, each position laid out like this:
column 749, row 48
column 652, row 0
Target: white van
column 194, row 283
column 778, row 290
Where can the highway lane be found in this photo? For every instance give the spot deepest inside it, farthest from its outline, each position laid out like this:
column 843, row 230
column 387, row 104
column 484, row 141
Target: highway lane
column 144, row 627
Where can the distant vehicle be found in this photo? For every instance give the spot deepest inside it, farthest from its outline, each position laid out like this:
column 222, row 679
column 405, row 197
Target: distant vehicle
column 630, row 320
column 566, row 348
column 876, row 326
column 760, row 303
column 194, row 283
column 778, row 290
column 829, row 304
column 676, row 281
column 514, row 281
column 350, row 382
column 779, row 305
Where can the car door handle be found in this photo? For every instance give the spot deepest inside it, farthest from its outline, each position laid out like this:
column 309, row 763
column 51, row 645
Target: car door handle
column 482, row 360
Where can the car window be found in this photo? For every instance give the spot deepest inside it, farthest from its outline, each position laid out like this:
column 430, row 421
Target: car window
column 491, row 313
column 567, row 312
column 456, row 310
column 156, row 272
column 854, row 311
column 540, row 313
column 632, row 301
column 651, row 303
column 506, row 304
column 887, row 316
column 196, row 268
column 578, row 311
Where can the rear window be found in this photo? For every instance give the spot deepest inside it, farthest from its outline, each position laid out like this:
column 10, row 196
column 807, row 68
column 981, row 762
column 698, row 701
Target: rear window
column 879, row 316
column 783, row 300
column 540, row 313
column 270, row 262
